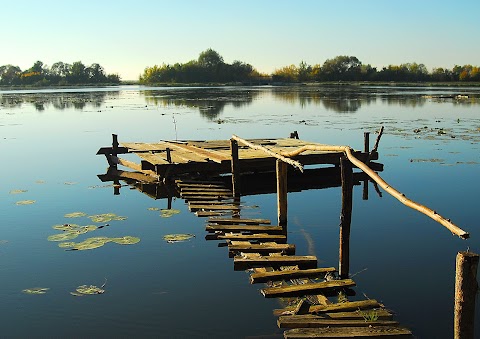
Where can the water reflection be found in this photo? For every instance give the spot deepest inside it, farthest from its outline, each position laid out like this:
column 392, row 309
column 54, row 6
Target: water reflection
column 59, row 101
column 209, row 101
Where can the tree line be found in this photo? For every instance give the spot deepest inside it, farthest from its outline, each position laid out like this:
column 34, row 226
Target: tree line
column 59, row 73
column 210, row 67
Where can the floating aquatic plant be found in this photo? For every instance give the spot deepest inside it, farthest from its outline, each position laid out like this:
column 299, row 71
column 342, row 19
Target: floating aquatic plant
column 88, row 290
column 167, row 213
column 75, row 215
column 3, row 242
column 153, row 209
column 25, row 202
column 106, row 217
column 36, row 290
column 126, row 240
column 69, row 183
column 67, row 244
column 40, row 182
column 171, row 238
column 18, row 191
column 67, row 235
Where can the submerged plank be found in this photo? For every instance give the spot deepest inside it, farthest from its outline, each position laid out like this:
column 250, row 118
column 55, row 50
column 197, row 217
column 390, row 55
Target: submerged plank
column 348, row 332
column 239, row 221
column 204, row 189
column 207, row 193
column 264, row 248
column 213, row 207
column 240, row 236
column 289, row 274
column 301, row 321
column 309, row 288
column 377, row 314
column 246, row 228
column 305, row 261
column 346, row 306
column 208, row 213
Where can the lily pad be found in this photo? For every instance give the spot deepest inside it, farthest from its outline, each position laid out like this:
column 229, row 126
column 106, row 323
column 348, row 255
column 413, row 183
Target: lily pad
column 171, row 238
column 91, row 243
column 36, row 290
column 126, row 240
column 3, row 242
column 167, row 213
column 75, row 215
column 25, row 202
column 89, row 290
column 153, row 209
column 106, row 217
column 69, row 183
column 67, row 244
column 67, row 235
column 65, row 227
column 40, row 181
column 18, row 191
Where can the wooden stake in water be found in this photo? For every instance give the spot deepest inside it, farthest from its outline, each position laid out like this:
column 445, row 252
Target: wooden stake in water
column 282, row 193
column 466, row 288
column 235, row 168
column 345, row 217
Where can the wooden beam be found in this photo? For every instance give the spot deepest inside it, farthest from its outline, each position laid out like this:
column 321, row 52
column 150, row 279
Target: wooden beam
column 305, row 261
column 295, row 321
column 263, row 248
column 248, row 237
column 245, row 228
column 380, row 314
column 282, row 193
column 208, row 213
column 348, row 332
column 259, row 277
column 239, row 221
column 309, row 288
column 130, row 164
column 346, row 306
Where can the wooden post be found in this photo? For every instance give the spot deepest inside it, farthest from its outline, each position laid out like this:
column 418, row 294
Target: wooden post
column 116, row 187
column 235, row 168
column 345, row 217
column 169, row 154
column 366, row 142
column 282, row 193
column 365, row 189
column 114, row 149
column 466, row 288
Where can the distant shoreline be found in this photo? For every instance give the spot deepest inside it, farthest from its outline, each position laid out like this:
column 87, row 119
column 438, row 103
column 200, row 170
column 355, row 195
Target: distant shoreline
column 252, row 84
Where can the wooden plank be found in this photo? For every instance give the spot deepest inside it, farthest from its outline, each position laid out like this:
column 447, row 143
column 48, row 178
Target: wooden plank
column 214, row 193
column 239, row 221
column 346, row 306
column 263, row 248
column 208, row 213
column 309, row 288
column 213, row 207
column 197, row 152
column 305, row 261
column 380, row 314
column 289, row 274
column 154, row 159
column 249, row 228
column 187, row 185
column 194, row 198
column 348, row 332
column 204, row 189
column 239, row 236
column 198, row 182
column 296, row 321
column 214, row 202
column 144, row 147
column 130, row 164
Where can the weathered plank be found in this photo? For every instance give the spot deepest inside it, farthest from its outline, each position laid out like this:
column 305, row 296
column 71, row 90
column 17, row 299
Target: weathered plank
column 346, row 306
column 263, row 248
column 301, row 321
column 204, row 189
column 194, row 207
column 198, row 182
column 239, row 221
column 208, row 213
column 289, row 274
column 211, row 193
column 240, row 236
column 245, row 228
column 197, row 152
column 378, row 314
column 310, row 288
column 194, row 198
column 305, row 261
column 187, row 185
column 348, row 332
column 154, row 159
column 210, row 202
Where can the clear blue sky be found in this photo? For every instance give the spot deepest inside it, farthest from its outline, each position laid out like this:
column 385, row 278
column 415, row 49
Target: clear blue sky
column 127, row 36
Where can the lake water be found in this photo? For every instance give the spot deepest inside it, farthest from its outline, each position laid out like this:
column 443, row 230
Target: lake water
column 430, row 149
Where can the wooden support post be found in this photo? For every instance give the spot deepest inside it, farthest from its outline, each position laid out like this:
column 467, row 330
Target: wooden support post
column 116, row 187
column 366, row 142
column 114, row 149
column 365, row 189
column 169, row 154
column 466, row 288
column 282, row 193
column 169, row 202
column 345, row 217
column 235, row 168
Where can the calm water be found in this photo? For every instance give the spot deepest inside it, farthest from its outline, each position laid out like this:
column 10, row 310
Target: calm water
column 154, row 289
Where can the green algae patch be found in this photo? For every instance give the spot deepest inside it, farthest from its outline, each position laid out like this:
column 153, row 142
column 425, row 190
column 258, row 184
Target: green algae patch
column 67, row 244
column 171, row 238
column 153, row 209
column 167, row 213
column 36, row 290
column 25, row 202
column 67, row 235
column 75, row 215
column 87, row 290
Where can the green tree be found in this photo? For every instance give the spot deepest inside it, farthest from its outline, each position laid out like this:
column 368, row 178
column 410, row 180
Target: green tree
column 342, row 67
column 10, row 75
column 78, row 73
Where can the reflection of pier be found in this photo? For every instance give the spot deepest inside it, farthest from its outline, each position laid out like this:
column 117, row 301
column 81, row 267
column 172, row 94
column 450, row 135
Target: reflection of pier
column 317, row 301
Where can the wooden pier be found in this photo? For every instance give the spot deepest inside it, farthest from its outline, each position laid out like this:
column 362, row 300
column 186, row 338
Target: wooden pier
column 212, row 175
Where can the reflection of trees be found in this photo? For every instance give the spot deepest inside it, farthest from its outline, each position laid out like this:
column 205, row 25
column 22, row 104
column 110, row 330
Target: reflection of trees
column 60, row 101
column 209, row 101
